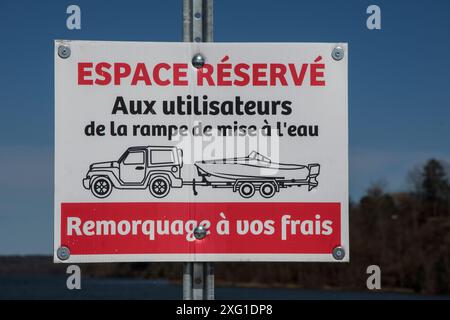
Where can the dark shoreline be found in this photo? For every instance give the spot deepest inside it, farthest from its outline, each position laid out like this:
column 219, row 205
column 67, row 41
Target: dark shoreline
column 50, row 287
column 43, row 266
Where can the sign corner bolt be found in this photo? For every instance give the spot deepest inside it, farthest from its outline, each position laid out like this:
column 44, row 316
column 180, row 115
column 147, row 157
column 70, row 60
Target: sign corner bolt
column 338, row 53
column 64, row 51
column 63, row 253
column 338, row 253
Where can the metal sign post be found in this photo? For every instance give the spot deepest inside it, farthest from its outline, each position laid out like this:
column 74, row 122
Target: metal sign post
column 198, row 277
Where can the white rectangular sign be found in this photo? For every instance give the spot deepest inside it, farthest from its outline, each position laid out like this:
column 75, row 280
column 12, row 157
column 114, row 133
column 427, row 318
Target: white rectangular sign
column 201, row 152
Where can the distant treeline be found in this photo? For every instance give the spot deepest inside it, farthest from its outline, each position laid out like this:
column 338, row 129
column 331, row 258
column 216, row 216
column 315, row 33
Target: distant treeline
column 407, row 234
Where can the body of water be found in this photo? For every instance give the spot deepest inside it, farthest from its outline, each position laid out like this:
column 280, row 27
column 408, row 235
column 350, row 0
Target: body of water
column 54, row 287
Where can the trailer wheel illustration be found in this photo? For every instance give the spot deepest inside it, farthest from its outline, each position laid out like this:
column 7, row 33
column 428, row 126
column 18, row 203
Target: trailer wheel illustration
column 159, row 186
column 101, row 187
column 246, row 190
column 267, row 189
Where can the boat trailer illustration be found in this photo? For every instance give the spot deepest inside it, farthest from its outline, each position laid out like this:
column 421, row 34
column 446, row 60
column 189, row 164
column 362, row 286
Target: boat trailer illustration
column 158, row 168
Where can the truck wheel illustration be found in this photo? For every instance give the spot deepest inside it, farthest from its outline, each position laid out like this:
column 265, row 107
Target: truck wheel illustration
column 247, row 190
column 159, row 186
column 267, row 190
column 101, row 187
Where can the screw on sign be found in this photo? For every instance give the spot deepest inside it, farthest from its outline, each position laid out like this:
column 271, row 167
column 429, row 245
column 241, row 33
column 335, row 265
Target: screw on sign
column 338, row 53
column 338, row 253
column 200, row 232
column 63, row 253
column 64, row 52
column 198, row 61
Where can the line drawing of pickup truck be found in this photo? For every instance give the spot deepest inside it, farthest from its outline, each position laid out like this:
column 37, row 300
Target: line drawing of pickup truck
column 158, row 168
column 155, row 167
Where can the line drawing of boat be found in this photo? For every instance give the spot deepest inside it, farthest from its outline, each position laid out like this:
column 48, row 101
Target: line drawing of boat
column 256, row 172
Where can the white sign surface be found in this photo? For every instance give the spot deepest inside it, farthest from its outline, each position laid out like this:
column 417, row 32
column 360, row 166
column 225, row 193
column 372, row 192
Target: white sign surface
column 252, row 146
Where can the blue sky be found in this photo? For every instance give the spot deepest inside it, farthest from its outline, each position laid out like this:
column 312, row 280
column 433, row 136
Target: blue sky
column 399, row 85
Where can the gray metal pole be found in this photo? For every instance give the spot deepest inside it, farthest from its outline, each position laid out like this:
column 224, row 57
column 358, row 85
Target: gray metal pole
column 209, row 281
column 198, row 14
column 198, row 277
column 187, row 281
column 187, row 20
